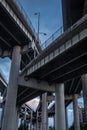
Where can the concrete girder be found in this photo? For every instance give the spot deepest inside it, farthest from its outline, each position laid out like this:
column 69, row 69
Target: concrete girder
column 66, row 97
column 33, row 83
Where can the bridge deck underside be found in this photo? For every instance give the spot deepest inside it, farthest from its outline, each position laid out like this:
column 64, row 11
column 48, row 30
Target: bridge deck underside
column 26, row 94
column 71, row 87
column 11, row 35
column 10, row 32
column 68, row 65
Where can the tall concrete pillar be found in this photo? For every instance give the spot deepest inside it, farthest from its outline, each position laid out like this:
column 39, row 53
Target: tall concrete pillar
column 37, row 121
column 41, row 125
column 16, row 119
column 54, row 122
column 84, row 87
column 59, row 107
column 31, row 121
column 44, row 112
column 25, row 117
column 76, row 113
column 10, row 106
column 66, row 117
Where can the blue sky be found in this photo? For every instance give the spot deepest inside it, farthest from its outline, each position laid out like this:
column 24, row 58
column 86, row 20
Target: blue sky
column 50, row 15
column 50, row 21
column 5, row 64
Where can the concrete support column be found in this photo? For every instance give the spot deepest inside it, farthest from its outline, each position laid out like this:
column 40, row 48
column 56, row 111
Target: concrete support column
column 76, row 113
column 10, row 106
column 16, row 119
column 66, row 117
column 40, row 125
column 37, row 121
column 44, row 112
column 31, row 121
column 59, row 107
column 25, row 117
column 84, row 87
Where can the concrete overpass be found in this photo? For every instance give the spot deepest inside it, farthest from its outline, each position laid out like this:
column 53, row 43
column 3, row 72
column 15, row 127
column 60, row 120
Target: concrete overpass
column 61, row 62
column 17, row 36
column 57, row 64
column 15, row 30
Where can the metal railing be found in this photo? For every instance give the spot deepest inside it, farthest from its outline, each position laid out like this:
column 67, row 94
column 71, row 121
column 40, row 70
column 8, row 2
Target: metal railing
column 26, row 17
column 52, row 38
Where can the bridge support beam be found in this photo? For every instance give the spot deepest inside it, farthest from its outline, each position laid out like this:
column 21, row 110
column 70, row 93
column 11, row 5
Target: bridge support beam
column 84, row 86
column 76, row 113
column 44, row 112
column 10, row 105
column 59, row 107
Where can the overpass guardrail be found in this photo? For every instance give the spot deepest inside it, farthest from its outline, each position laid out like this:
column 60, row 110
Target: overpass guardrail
column 52, row 38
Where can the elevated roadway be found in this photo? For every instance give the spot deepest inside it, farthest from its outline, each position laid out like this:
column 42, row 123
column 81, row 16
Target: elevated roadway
column 58, row 68
column 60, row 55
column 62, row 61
column 65, row 58
column 16, row 30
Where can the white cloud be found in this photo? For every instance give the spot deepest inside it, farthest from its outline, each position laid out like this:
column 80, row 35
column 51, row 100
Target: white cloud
column 33, row 104
column 5, row 67
column 70, row 117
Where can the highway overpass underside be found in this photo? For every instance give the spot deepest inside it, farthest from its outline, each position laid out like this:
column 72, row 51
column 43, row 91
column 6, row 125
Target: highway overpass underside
column 14, row 30
column 67, row 64
column 70, row 64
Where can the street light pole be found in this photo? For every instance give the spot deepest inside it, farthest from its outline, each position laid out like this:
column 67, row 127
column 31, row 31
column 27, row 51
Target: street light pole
column 38, row 14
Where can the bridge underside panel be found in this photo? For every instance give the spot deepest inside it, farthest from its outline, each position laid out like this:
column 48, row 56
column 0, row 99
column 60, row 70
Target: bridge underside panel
column 10, row 33
column 25, row 94
column 73, row 86
column 70, row 64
